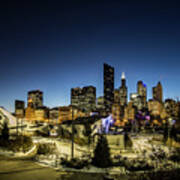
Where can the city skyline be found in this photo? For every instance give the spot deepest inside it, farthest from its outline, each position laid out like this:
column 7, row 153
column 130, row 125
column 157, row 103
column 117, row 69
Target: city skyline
column 57, row 47
column 149, row 90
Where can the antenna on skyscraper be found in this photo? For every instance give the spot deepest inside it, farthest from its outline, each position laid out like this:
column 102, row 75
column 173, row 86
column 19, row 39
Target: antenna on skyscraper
column 123, row 76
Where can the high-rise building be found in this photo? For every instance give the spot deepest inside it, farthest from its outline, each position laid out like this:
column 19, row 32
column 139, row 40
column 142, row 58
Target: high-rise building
column 154, row 107
column 100, row 102
column 108, row 87
column 89, row 98
column 142, row 92
column 76, row 97
column 54, row 115
column 37, row 98
column 157, row 112
column 171, row 108
column 41, row 114
column 116, row 96
column 136, row 100
column 158, row 92
column 123, row 91
column 38, row 114
column 19, row 108
column 30, row 111
column 84, row 98
column 129, row 113
column 116, row 114
column 69, row 113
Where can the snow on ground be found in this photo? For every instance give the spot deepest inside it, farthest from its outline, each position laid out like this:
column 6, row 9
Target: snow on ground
column 143, row 149
column 64, row 147
column 31, row 152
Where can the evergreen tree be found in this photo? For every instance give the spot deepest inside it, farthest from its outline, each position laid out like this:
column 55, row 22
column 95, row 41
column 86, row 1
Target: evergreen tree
column 173, row 133
column 5, row 131
column 126, row 139
column 101, row 153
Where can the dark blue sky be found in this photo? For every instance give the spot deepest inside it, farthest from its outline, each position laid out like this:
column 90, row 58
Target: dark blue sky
column 56, row 45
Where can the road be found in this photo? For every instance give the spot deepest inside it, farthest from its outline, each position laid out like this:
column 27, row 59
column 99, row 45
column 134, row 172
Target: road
column 25, row 170
column 11, row 169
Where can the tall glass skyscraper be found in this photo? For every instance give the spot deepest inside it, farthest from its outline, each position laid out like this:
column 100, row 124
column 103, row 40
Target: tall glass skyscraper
column 108, row 87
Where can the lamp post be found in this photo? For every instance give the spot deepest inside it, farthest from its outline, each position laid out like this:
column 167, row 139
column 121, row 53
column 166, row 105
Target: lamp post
column 169, row 130
column 169, row 126
column 72, row 142
column 17, row 124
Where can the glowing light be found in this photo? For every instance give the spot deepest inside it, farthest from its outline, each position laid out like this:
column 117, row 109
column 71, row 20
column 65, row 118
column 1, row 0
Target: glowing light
column 173, row 122
column 147, row 117
column 107, row 123
column 123, row 76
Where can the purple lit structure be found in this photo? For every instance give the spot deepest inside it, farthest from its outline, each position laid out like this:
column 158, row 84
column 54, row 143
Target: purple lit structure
column 107, row 123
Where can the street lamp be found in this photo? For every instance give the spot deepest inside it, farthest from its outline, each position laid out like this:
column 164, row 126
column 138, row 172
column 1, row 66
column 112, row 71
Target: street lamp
column 17, row 124
column 169, row 126
column 72, row 143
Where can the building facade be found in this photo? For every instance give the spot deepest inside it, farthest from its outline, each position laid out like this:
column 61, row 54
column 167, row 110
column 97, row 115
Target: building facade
column 54, row 115
column 84, row 98
column 33, row 115
column 100, row 102
column 123, row 91
column 117, row 115
column 30, row 112
column 108, row 87
column 136, row 100
column 172, row 108
column 116, row 96
column 129, row 113
column 158, row 92
column 69, row 113
column 19, row 109
column 156, row 110
column 41, row 114
column 37, row 98
column 142, row 92
column 155, row 107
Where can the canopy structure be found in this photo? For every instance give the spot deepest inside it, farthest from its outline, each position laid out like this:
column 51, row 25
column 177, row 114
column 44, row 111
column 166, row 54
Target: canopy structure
column 103, row 125
column 6, row 116
column 107, row 123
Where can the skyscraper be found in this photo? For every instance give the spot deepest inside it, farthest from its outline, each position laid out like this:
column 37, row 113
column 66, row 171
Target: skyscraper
column 108, row 87
column 19, row 108
column 116, row 96
column 142, row 92
column 136, row 100
column 158, row 92
column 123, row 91
column 84, row 98
column 36, row 97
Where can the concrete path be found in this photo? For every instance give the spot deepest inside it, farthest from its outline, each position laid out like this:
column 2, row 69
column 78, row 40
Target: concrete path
column 25, row 170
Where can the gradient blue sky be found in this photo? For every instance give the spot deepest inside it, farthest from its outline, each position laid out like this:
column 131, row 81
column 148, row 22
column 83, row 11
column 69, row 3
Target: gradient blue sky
column 56, row 45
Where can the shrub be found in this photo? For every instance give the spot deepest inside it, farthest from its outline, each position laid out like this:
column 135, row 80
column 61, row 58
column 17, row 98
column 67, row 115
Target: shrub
column 137, row 165
column 175, row 157
column 4, row 143
column 5, row 132
column 21, row 143
column 81, row 141
column 74, row 163
column 44, row 149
